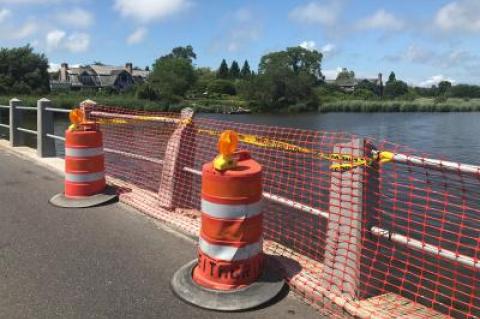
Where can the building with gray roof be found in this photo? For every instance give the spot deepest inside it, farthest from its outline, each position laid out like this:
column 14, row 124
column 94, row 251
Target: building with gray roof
column 99, row 76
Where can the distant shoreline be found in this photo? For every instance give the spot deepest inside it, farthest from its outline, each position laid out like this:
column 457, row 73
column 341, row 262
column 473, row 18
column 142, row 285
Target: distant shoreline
column 218, row 106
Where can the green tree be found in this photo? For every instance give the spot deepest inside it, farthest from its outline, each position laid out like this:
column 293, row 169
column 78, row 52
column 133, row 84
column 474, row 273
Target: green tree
column 286, row 78
column 223, row 71
column 392, row 78
column 173, row 74
column 246, row 72
column 204, row 76
column 395, row 89
column 443, row 87
column 369, row 86
column 234, row 70
column 464, row 91
column 345, row 75
column 297, row 59
column 183, row 53
column 23, row 71
column 146, row 92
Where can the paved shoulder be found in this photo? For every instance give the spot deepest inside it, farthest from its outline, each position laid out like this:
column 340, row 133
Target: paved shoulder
column 105, row 262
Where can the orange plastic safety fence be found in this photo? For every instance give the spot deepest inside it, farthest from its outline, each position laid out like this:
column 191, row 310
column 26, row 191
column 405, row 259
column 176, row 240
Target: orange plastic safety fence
column 398, row 239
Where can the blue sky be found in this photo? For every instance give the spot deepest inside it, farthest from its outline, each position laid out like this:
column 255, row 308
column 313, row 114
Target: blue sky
column 423, row 41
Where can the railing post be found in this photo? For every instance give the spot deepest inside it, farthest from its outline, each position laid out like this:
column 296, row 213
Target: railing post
column 179, row 154
column 88, row 106
column 16, row 137
column 352, row 197
column 45, row 125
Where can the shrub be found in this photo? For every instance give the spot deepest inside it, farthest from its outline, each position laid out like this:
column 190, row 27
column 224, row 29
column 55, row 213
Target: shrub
column 440, row 99
column 147, row 92
column 222, row 87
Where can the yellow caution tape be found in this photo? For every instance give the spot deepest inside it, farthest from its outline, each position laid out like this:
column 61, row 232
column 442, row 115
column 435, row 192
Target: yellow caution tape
column 385, row 157
column 346, row 161
column 284, row 146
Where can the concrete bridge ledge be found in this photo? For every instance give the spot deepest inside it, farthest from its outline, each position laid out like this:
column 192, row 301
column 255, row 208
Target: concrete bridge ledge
column 55, row 164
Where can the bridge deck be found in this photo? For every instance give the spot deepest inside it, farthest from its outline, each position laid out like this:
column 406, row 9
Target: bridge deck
column 106, row 262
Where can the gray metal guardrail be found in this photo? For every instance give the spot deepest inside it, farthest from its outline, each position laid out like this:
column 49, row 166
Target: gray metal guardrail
column 45, row 125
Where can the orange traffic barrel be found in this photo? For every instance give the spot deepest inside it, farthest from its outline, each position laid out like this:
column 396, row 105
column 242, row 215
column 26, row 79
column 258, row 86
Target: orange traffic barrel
column 85, row 184
column 231, row 272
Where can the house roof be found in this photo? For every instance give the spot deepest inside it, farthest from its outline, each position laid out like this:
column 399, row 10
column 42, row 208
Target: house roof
column 106, row 69
column 101, row 75
column 141, row 73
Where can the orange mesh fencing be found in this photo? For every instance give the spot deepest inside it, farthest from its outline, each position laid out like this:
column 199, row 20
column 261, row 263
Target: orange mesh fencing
column 357, row 237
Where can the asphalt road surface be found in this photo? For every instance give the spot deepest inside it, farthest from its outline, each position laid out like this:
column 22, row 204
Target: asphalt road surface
column 105, row 262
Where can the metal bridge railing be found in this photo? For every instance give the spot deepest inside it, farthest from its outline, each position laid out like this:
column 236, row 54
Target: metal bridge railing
column 45, row 125
column 343, row 192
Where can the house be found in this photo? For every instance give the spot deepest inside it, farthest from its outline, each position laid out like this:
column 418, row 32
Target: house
column 98, row 76
column 347, row 81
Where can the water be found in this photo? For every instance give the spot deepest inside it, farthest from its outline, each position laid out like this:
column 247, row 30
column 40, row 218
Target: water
column 454, row 136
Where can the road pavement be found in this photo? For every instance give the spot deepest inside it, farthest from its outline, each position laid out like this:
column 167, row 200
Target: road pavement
column 104, row 262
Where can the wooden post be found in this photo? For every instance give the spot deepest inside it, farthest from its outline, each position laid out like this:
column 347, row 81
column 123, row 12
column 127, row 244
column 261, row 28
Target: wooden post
column 179, row 154
column 350, row 203
column 16, row 116
column 45, row 125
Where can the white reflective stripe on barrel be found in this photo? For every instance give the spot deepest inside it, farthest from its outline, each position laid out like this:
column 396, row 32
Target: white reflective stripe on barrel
column 231, row 211
column 84, row 178
column 230, row 253
column 83, row 152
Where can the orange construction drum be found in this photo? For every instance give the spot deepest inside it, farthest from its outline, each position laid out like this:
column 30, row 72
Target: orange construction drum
column 230, row 248
column 85, row 184
column 231, row 272
column 84, row 163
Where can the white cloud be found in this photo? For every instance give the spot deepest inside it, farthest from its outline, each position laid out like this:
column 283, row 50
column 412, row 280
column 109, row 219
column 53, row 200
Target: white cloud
column 54, row 67
column 309, row 45
column 317, row 13
column 444, row 59
column 463, row 15
column 19, row 32
column 40, row 2
column 137, row 36
column 243, row 15
column 382, row 20
column 54, row 39
column 4, row 14
column 24, row 31
column 239, row 37
column 75, row 42
column 242, row 29
column 417, row 54
column 434, row 80
column 78, row 42
column 76, row 17
column 331, row 74
column 328, row 49
column 149, row 10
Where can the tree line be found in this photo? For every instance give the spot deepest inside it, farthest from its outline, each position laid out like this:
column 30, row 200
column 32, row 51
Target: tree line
column 289, row 79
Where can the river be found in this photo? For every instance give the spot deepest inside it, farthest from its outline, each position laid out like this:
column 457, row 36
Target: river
column 455, row 136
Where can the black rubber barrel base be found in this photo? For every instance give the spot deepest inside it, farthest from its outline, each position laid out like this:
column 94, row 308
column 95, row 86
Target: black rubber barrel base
column 109, row 195
column 260, row 292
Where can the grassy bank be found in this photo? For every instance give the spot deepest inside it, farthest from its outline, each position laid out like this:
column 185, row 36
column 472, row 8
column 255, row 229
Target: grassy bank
column 220, row 105
column 418, row 105
column 71, row 100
